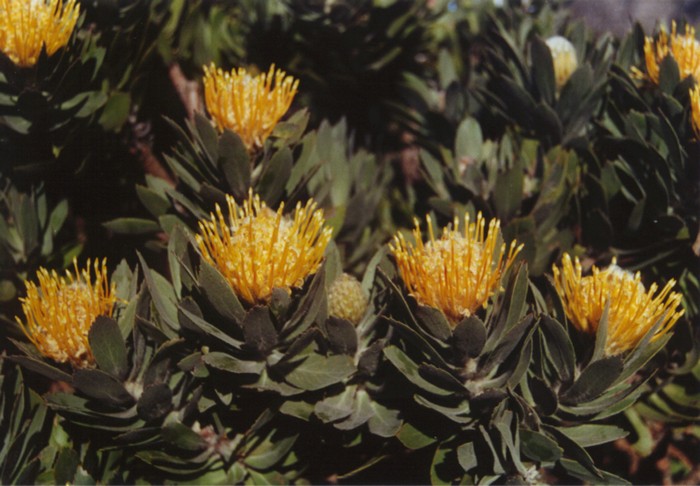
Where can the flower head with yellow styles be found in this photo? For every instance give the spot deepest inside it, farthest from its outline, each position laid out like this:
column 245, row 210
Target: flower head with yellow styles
column 684, row 48
column 458, row 272
column 258, row 249
column 563, row 58
column 249, row 105
column 695, row 109
column 633, row 310
column 28, row 25
column 60, row 310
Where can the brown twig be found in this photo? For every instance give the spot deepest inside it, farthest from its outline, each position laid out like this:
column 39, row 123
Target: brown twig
column 189, row 91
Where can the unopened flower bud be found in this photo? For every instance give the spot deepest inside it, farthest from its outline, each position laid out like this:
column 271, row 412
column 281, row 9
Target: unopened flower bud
column 347, row 299
column 563, row 57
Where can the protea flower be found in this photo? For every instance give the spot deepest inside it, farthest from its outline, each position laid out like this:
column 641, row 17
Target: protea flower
column 563, row 57
column 60, row 310
column 248, row 105
column 458, row 272
column 258, row 249
column 27, row 26
column 684, row 49
column 633, row 310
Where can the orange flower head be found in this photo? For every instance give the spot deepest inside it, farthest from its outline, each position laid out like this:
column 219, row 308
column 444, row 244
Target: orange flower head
column 684, row 48
column 458, row 272
column 257, row 249
column 633, row 309
column 26, row 26
column 60, row 310
column 248, row 105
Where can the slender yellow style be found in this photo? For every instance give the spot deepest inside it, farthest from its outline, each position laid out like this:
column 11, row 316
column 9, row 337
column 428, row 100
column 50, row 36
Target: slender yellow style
column 684, row 48
column 28, row 25
column 59, row 311
column 633, row 309
column 695, row 109
column 258, row 249
column 458, row 272
column 248, row 105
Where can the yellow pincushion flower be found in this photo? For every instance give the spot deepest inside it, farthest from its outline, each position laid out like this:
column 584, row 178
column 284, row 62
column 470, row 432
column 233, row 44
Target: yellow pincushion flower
column 347, row 299
column 633, row 309
column 248, row 105
column 28, row 25
column 563, row 58
column 257, row 249
column 458, row 272
column 60, row 310
column 695, row 109
column 684, row 48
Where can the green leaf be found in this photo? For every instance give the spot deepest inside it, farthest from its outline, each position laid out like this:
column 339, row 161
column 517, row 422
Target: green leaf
column 469, row 337
column 469, row 139
column 434, row 322
column 208, row 136
column 180, row 435
column 309, row 308
column 115, row 112
column 669, row 75
column 275, row 176
column 298, row 409
column 409, row 369
column 594, row 380
column 539, row 447
column 220, row 294
column 226, row 362
column 317, row 371
column 58, row 216
column 190, row 317
column 558, row 347
column 543, row 70
column 342, row 336
column 156, row 204
column 466, row 456
column 259, row 330
column 154, row 402
column 42, row 368
column 269, row 452
column 588, row 435
column 163, row 296
column 102, row 387
column 385, row 422
column 413, row 438
column 132, row 226
column 515, row 338
column 508, row 191
column 336, row 407
column 579, row 471
column 361, row 413
column 108, row 347
column 601, row 334
column 67, row 462
column 234, row 162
